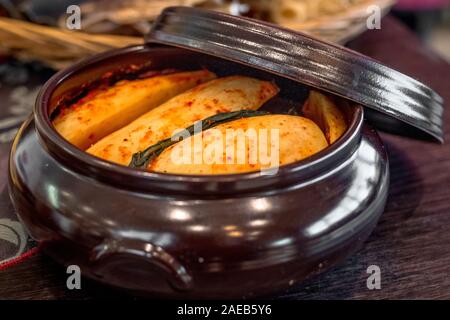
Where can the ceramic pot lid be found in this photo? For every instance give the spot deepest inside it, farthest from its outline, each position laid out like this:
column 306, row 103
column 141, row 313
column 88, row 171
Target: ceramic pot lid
column 305, row 59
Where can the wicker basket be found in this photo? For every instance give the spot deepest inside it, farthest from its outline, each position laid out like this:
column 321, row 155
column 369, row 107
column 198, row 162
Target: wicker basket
column 59, row 48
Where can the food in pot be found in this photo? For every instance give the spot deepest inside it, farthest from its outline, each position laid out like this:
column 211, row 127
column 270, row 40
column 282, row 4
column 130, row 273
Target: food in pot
column 323, row 111
column 105, row 110
column 232, row 142
column 217, row 96
column 143, row 158
column 253, row 143
column 169, row 124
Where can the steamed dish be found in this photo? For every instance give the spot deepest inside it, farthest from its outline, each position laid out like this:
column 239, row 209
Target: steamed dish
column 103, row 111
column 322, row 110
column 296, row 139
column 220, row 95
column 196, row 123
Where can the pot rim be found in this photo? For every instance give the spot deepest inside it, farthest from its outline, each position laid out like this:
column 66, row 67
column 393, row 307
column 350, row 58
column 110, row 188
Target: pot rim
column 103, row 170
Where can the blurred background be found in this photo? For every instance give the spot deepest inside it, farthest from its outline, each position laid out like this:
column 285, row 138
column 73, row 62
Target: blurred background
column 37, row 29
column 430, row 19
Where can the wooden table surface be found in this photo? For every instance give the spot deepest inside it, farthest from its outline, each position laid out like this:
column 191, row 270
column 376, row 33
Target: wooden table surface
column 411, row 243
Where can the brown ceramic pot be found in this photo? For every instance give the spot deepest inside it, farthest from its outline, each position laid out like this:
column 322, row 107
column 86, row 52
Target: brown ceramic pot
column 228, row 236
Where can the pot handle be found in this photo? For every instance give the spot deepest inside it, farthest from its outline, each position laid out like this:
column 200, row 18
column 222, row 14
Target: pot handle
column 177, row 274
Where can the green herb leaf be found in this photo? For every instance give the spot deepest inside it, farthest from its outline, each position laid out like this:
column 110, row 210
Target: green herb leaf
column 142, row 159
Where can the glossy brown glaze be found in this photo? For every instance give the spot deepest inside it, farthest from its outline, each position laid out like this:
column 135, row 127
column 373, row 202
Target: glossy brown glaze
column 194, row 236
column 300, row 57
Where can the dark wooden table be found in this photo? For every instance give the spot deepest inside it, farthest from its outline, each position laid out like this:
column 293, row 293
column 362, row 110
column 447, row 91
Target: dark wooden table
column 411, row 244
